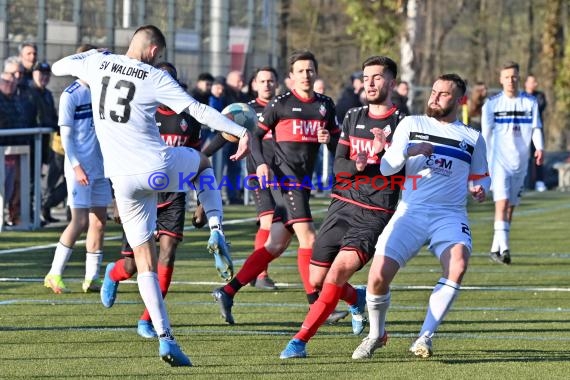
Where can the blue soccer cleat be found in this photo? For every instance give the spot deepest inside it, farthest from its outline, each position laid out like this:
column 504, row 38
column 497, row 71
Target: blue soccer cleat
column 218, row 247
column 294, row 349
column 358, row 318
column 171, row 353
column 109, row 287
column 146, row 329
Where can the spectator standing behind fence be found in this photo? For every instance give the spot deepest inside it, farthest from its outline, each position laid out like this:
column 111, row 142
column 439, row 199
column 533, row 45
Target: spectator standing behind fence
column 89, row 192
column 475, row 104
column 400, row 97
column 28, row 111
column 350, row 96
column 510, row 120
column 28, row 53
column 11, row 117
column 536, row 172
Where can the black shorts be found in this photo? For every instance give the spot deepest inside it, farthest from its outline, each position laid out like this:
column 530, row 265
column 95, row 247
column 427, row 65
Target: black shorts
column 291, row 206
column 170, row 216
column 351, row 228
column 264, row 203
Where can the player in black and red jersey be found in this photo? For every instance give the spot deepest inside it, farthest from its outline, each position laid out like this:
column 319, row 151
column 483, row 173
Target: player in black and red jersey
column 265, row 84
column 176, row 130
column 300, row 121
column 363, row 202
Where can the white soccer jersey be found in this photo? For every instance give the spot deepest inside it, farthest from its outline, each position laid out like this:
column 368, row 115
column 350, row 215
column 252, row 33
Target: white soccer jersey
column 125, row 94
column 507, row 125
column 440, row 180
column 75, row 112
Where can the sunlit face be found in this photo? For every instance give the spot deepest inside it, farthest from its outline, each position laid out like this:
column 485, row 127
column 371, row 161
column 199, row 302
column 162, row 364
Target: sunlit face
column 319, row 86
column 378, row 84
column 265, row 84
column 303, row 74
column 531, row 84
column 509, row 79
column 28, row 56
column 15, row 70
column 443, row 100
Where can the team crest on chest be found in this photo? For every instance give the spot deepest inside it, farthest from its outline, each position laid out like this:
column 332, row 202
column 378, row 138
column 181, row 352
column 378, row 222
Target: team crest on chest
column 463, row 145
column 323, row 110
column 183, row 125
column 387, row 130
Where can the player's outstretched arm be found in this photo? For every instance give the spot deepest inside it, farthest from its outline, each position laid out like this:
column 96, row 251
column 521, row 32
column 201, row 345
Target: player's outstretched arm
column 69, row 65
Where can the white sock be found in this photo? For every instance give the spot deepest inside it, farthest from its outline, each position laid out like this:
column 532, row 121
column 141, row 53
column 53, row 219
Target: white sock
column 502, row 235
column 440, row 301
column 60, row 259
column 92, row 264
column 377, row 309
column 152, row 298
column 210, row 197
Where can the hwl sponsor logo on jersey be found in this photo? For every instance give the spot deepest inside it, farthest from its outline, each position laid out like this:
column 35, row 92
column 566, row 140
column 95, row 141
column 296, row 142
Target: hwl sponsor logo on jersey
column 358, row 145
column 307, row 127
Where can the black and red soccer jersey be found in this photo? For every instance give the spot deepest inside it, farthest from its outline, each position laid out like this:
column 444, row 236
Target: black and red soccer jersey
column 294, row 122
column 268, row 151
column 176, row 130
column 368, row 188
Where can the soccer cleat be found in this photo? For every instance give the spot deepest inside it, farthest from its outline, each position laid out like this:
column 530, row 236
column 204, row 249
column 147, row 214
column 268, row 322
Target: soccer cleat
column 218, row 247
column 366, row 349
column 336, row 316
column 506, row 256
column 226, row 302
column 109, row 287
column 358, row 318
column 540, row 186
column 265, row 283
column 55, row 283
column 171, row 353
column 422, row 347
column 145, row 329
column 91, row 286
column 294, row 349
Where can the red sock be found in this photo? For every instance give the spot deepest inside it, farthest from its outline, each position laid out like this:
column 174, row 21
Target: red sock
column 164, row 280
column 303, row 261
column 118, row 273
column 319, row 311
column 252, row 266
column 349, row 294
column 260, row 239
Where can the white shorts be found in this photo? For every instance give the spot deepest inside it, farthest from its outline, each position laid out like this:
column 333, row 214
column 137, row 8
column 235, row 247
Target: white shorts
column 136, row 195
column 96, row 194
column 507, row 185
column 409, row 230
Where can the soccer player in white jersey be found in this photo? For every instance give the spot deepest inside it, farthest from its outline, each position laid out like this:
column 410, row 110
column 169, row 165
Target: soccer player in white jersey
column 509, row 121
column 89, row 192
column 444, row 160
column 126, row 90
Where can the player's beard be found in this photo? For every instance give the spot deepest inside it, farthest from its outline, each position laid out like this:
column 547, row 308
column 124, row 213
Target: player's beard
column 438, row 113
column 380, row 98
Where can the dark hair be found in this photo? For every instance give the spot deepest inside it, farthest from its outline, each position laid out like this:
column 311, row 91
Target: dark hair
column 205, row 76
column 85, row 47
column 267, row 68
column 154, row 35
column 510, row 65
column 169, row 68
column 302, row 55
column 380, row 60
column 459, row 82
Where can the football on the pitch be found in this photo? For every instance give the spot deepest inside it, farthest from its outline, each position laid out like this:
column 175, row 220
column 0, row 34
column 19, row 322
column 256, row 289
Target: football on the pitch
column 241, row 114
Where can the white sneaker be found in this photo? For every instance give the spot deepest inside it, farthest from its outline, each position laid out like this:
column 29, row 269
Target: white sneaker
column 540, row 187
column 367, row 347
column 422, row 347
